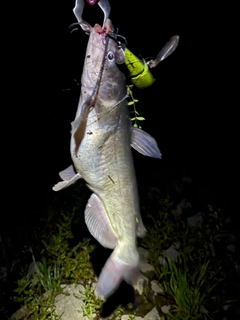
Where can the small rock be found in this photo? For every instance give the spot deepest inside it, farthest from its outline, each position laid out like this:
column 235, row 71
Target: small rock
column 187, row 180
column 156, row 288
column 144, row 253
column 141, row 284
column 228, row 220
column 147, row 269
column 69, row 306
column 34, row 268
column 231, row 247
column 94, row 285
column 3, row 273
column 63, row 286
column 171, row 252
column 162, row 260
column 177, row 245
column 226, row 307
column 194, row 220
column 165, row 309
column 20, row 313
column 152, row 315
column 181, row 206
column 126, row 317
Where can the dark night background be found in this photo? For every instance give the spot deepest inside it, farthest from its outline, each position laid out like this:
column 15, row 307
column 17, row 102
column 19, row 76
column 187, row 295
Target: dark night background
column 191, row 109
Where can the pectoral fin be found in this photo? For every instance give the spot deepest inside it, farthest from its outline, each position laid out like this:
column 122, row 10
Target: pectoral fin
column 145, row 144
column 98, row 223
column 68, row 173
column 69, row 177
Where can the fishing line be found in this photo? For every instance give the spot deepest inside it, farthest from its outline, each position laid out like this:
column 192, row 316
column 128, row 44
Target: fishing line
column 101, row 72
column 91, row 100
column 120, row 44
column 108, row 111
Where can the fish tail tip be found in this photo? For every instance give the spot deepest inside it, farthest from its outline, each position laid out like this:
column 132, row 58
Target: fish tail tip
column 110, row 278
column 113, row 272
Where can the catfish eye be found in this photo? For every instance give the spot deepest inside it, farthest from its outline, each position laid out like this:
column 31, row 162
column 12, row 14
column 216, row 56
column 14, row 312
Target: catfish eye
column 110, row 56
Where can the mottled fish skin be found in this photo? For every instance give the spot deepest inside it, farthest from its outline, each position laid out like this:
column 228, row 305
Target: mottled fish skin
column 104, row 161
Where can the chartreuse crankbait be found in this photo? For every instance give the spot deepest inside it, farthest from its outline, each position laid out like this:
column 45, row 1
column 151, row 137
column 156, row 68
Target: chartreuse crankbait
column 140, row 74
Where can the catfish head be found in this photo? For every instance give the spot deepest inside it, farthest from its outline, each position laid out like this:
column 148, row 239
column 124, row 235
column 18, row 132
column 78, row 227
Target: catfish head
column 101, row 78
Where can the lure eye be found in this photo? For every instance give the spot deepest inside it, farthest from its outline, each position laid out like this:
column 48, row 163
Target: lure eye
column 110, row 56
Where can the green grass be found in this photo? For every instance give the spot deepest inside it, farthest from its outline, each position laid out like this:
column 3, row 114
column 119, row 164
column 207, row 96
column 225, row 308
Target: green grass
column 91, row 303
column 189, row 284
column 189, row 291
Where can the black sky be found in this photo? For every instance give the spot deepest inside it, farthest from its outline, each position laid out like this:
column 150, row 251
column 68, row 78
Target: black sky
column 191, row 109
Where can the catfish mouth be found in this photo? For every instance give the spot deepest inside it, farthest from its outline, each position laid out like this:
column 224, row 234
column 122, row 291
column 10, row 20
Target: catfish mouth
column 108, row 31
column 98, row 29
column 107, row 27
column 100, row 33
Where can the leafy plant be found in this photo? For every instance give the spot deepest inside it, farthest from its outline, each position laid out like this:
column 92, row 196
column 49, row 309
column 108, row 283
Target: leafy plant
column 91, row 302
column 136, row 118
column 74, row 261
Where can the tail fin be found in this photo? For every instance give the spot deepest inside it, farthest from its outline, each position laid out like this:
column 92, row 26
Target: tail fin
column 113, row 272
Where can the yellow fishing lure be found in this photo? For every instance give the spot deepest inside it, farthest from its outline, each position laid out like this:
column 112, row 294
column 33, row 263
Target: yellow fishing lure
column 140, row 74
